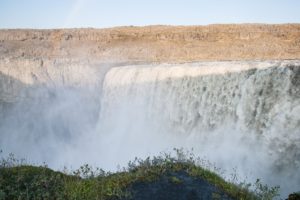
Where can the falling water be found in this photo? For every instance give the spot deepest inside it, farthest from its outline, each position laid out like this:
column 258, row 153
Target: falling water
column 238, row 115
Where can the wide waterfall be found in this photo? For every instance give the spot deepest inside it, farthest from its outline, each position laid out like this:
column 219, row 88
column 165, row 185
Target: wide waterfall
column 238, row 115
column 241, row 116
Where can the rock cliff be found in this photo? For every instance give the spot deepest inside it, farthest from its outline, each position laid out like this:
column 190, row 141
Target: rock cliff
column 82, row 56
column 155, row 43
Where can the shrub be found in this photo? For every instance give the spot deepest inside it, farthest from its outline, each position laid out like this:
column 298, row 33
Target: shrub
column 20, row 181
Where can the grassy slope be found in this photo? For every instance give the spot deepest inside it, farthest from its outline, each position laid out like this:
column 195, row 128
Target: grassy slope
column 157, row 178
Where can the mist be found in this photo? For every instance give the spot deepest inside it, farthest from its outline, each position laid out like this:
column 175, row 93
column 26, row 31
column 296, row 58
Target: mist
column 243, row 121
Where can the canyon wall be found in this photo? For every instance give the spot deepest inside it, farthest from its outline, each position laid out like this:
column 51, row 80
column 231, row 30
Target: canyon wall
column 82, row 56
column 155, row 43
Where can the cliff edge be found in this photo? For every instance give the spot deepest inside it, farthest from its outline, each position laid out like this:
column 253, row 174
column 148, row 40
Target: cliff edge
column 155, row 43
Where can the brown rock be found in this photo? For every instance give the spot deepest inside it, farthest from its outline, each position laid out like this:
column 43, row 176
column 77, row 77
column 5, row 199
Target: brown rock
column 156, row 43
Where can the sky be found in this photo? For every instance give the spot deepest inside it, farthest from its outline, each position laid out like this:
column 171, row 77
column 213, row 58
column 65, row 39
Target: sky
column 110, row 13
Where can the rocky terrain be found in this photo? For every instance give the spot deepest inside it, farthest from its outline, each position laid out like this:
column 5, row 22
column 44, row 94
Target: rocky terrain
column 81, row 56
column 155, row 43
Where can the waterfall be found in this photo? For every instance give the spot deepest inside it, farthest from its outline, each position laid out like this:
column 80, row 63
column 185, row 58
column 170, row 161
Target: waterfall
column 242, row 115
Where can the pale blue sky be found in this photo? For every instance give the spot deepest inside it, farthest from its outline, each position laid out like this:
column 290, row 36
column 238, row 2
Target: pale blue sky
column 109, row 13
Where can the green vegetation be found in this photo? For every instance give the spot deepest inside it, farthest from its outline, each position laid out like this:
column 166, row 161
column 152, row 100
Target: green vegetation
column 294, row 196
column 19, row 181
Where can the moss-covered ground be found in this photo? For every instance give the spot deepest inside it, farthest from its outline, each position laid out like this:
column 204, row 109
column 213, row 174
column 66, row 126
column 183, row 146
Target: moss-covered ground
column 164, row 177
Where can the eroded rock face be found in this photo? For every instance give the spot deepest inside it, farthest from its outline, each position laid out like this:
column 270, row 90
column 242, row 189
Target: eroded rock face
column 155, row 43
column 81, row 57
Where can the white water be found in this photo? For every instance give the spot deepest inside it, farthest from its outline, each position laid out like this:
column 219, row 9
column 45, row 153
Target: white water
column 242, row 115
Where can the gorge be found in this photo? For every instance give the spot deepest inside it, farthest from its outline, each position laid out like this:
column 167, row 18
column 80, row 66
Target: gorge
column 229, row 92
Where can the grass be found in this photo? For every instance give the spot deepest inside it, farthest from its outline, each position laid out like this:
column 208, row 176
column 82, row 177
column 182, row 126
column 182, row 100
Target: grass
column 20, row 181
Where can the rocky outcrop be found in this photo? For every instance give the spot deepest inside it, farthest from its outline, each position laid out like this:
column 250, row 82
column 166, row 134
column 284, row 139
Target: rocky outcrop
column 80, row 57
column 155, row 43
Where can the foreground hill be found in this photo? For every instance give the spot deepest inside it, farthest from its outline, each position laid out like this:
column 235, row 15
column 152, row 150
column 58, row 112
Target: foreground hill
column 162, row 177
